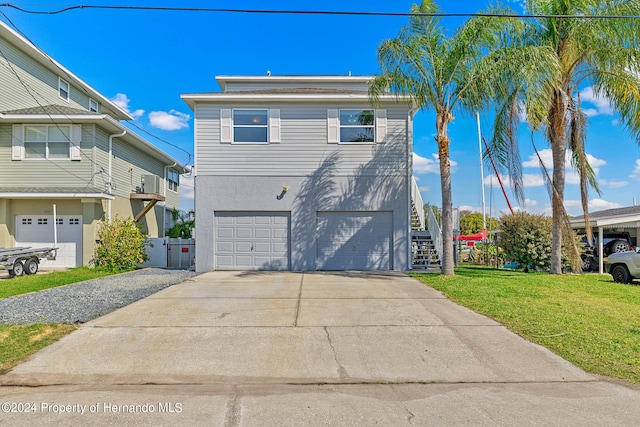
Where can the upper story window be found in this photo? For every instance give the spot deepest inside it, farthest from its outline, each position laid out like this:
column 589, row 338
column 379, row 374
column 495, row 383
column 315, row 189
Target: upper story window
column 173, row 179
column 251, row 126
column 63, row 89
column 93, row 106
column 47, row 142
column 357, row 126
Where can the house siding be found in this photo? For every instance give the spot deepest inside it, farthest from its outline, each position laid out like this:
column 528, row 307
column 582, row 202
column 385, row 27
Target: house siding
column 320, row 177
column 303, row 145
column 45, row 173
column 35, row 85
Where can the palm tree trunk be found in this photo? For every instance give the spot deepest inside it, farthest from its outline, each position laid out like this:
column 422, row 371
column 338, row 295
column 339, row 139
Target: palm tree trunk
column 442, row 120
column 558, row 138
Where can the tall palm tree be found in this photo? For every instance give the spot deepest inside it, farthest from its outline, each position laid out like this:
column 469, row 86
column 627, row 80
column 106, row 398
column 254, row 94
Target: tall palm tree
column 599, row 52
column 449, row 75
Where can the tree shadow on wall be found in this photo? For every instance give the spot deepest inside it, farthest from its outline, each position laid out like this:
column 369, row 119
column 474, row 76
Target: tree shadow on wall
column 344, row 210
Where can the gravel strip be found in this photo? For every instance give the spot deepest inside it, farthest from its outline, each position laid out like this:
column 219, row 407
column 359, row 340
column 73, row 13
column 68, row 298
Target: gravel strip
column 84, row 301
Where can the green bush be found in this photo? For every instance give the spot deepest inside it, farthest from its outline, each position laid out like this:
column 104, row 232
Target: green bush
column 121, row 245
column 526, row 239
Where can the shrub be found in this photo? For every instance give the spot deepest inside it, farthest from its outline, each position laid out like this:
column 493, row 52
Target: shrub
column 121, row 245
column 526, row 239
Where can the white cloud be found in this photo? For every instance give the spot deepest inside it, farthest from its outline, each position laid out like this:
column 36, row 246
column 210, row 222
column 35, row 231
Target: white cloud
column 187, row 190
column 424, row 165
column 601, row 103
column 172, row 120
column 530, row 203
column 122, row 101
column 635, row 174
column 571, row 175
column 617, row 184
column 594, row 205
column 528, row 180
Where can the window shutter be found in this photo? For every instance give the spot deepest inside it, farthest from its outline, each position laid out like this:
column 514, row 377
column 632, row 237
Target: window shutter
column 274, row 126
column 76, row 138
column 333, row 127
column 17, row 143
column 381, row 126
column 226, row 124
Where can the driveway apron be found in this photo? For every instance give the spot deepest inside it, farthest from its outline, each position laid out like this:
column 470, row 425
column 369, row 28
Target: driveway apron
column 275, row 349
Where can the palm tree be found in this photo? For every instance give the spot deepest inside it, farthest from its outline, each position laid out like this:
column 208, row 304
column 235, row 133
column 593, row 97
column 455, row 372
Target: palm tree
column 449, row 75
column 581, row 51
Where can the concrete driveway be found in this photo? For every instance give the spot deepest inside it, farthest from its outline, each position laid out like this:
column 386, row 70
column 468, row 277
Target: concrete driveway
column 291, row 349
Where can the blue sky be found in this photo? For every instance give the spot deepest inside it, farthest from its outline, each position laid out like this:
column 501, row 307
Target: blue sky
column 144, row 60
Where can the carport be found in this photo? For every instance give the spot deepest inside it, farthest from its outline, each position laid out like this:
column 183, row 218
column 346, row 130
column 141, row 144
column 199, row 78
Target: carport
column 618, row 219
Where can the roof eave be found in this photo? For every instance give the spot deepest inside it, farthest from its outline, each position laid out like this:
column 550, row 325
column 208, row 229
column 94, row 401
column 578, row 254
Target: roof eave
column 222, row 97
column 54, row 66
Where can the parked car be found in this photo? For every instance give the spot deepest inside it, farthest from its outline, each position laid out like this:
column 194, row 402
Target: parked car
column 624, row 266
column 612, row 241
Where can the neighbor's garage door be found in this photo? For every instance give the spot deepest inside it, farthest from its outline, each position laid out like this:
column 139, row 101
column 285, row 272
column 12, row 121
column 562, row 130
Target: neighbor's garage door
column 37, row 232
column 251, row 241
column 354, row 241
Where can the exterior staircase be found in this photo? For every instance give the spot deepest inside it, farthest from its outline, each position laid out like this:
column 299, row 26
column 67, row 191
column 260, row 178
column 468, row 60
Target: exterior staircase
column 426, row 236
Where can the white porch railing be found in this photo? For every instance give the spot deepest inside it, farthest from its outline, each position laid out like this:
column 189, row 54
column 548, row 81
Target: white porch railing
column 434, row 230
column 418, row 204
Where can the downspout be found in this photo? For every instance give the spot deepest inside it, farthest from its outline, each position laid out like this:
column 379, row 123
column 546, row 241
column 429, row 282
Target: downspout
column 409, row 164
column 110, row 184
column 164, row 207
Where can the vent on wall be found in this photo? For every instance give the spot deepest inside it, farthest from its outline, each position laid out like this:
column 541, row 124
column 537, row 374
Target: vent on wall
column 151, row 184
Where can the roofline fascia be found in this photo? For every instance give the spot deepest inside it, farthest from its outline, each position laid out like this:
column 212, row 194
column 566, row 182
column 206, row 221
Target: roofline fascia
column 19, row 195
column 222, row 97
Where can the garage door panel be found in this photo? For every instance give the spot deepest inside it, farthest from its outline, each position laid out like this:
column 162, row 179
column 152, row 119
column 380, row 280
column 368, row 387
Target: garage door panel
column 260, row 241
column 36, row 231
column 225, row 232
column 354, row 240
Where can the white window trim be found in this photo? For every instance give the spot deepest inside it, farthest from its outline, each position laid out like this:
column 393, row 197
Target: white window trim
column 94, row 102
column 373, row 126
column 18, row 151
column 169, row 181
column 68, row 88
column 379, row 127
column 233, row 127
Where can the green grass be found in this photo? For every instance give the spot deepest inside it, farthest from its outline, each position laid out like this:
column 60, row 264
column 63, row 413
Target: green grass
column 32, row 283
column 586, row 319
column 17, row 342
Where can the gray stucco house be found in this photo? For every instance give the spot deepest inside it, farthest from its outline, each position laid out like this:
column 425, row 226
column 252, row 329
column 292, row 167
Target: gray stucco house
column 62, row 144
column 301, row 173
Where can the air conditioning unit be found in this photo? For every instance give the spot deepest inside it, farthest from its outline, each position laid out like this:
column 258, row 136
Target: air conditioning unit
column 151, row 184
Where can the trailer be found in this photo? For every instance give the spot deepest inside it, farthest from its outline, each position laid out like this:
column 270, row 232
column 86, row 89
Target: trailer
column 19, row 261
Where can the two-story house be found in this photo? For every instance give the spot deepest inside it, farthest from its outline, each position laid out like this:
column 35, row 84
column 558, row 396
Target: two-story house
column 301, row 173
column 65, row 153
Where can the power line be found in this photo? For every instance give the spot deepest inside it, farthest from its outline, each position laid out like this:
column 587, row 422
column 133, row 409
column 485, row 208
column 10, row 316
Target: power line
column 312, row 12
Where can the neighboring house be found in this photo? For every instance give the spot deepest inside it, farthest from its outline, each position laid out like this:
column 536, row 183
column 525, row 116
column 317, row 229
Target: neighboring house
column 625, row 219
column 302, row 173
column 62, row 144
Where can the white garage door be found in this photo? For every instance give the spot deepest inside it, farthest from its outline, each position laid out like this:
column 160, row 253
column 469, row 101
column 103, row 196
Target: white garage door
column 251, row 241
column 37, row 231
column 354, row 241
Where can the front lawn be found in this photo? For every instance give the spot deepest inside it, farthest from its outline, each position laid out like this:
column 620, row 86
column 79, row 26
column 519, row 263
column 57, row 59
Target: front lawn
column 18, row 342
column 587, row 319
column 32, row 283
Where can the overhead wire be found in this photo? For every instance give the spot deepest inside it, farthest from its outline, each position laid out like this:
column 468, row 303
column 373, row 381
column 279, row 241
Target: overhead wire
column 309, row 12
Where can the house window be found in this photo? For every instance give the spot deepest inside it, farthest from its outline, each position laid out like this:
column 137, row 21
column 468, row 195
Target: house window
column 250, row 126
column 63, row 89
column 93, row 106
column 173, row 179
column 357, row 126
column 47, row 142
